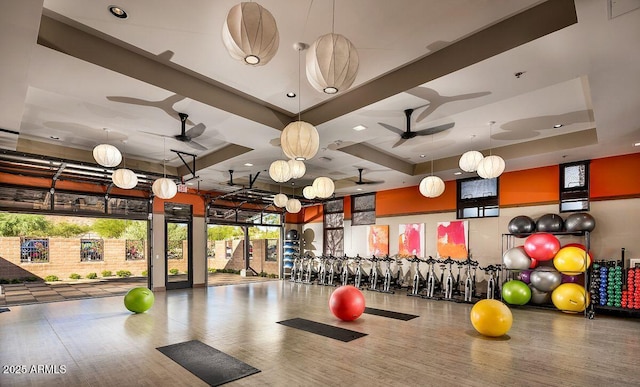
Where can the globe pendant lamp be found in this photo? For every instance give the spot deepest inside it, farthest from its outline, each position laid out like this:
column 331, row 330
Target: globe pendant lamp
column 250, row 34
column 297, row 168
column 332, row 62
column 163, row 187
column 491, row 166
column 309, row 193
column 323, row 187
column 431, row 186
column 280, row 200
column 124, row 178
column 293, row 206
column 469, row 161
column 279, row 171
column 107, row 155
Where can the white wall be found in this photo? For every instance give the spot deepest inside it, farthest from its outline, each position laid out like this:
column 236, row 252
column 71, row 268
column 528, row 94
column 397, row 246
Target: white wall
column 199, row 236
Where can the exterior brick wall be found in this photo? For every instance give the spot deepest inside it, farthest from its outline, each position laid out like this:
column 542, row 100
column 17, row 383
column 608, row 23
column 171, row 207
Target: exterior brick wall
column 64, row 259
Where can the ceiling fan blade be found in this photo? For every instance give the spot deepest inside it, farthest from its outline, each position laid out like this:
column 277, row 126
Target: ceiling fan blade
column 364, row 182
column 392, row 128
column 400, row 142
column 195, row 145
column 196, row 130
column 155, row 134
column 435, row 129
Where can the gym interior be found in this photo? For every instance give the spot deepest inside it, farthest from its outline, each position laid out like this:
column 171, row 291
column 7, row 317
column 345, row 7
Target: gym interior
column 382, row 276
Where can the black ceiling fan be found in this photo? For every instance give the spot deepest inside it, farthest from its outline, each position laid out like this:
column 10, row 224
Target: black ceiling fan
column 187, row 136
column 408, row 133
column 362, row 182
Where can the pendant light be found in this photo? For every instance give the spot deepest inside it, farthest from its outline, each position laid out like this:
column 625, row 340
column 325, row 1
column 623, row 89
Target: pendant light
column 309, row 193
column 124, row 178
column 279, row 171
column 297, row 168
column 293, row 206
column 491, row 166
column 107, row 155
column 280, row 200
column 250, row 34
column 163, row 187
column 299, row 140
column 431, row 186
column 323, row 187
column 469, row 161
column 332, row 62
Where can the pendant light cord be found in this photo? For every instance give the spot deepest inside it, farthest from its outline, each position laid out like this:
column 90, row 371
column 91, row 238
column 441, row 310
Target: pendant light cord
column 299, row 76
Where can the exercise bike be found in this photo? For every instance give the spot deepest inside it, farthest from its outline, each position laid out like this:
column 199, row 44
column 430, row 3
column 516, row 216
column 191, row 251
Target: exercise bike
column 375, row 273
column 432, row 279
column 418, row 278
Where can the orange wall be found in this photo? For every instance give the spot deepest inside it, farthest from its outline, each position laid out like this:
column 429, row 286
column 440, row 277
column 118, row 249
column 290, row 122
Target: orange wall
column 408, row 200
column 531, row 186
column 183, row 198
column 615, row 176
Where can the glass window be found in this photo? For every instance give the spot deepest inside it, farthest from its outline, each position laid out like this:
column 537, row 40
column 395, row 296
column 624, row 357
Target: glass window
column 477, row 198
column 334, row 227
column 574, row 186
column 91, row 250
column 363, row 209
column 34, row 250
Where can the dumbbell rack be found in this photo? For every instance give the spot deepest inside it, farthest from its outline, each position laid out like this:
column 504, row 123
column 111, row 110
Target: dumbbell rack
column 508, row 241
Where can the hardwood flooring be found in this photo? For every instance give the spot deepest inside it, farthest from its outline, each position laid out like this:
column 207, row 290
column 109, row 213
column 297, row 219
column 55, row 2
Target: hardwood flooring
column 100, row 343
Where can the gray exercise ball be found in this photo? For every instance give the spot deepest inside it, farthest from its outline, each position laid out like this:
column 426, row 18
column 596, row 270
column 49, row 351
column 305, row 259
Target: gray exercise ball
column 516, row 259
column 545, row 278
column 538, row 297
column 550, row 223
column 580, row 221
column 521, row 225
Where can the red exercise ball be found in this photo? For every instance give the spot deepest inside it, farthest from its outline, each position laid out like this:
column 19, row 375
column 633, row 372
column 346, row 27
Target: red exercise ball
column 541, row 246
column 347, row 303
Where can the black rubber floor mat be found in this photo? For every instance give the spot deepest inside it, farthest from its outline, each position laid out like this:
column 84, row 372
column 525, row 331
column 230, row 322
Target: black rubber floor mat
column 390, row 314
column 321, row 329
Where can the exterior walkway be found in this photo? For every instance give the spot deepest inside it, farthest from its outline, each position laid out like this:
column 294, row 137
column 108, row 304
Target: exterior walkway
column 41, row 292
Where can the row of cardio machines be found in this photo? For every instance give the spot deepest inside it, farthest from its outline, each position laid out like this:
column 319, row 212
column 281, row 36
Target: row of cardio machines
column 390, row 273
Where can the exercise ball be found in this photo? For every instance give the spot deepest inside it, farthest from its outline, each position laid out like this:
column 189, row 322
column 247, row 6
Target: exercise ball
column 570, row 298
column 573, row 279
column 525, row 276
column 541, row 246
column 292, row 235
column 491, row 318
column 516, row 292
column 347, row 303
column 580, row 221
column 521, row 225
column 539, row 297
column 545, row 279
column 583, row 247
column 516, row 258
column 139, row 300
column 549, row 223
column 534, row 263
column 571, row 260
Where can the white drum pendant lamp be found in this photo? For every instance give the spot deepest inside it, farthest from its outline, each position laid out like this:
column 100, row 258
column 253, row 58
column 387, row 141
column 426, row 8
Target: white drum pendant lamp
column 332, row 63
column 250, row 34
column 280, row 200
column 491, row 167
column 431, row 186
column 293, row 206
column 279, row 171
column 297, row 168
column 299, row 140
column 107, row 155
column 124, row 178
column 323, row 187
column 469, row 161
column 309, row 193
column 164, row 188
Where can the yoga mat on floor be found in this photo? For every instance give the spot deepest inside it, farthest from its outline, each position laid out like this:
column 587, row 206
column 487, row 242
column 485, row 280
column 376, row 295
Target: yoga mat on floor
column 321, row 329
column 207, row 363
column 4, row 310
column 390, row 314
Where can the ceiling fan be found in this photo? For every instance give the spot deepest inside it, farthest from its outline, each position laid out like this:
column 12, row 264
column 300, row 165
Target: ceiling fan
column 185, row 135
column 362, row 182
column 350, row 181
column 408, row 134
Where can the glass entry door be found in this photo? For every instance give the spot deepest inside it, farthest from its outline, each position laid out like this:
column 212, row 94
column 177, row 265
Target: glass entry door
column 178, row 256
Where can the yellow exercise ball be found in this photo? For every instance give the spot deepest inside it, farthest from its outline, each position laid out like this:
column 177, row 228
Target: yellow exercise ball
column 571, row 260
column 491, row 318
column 570, row 297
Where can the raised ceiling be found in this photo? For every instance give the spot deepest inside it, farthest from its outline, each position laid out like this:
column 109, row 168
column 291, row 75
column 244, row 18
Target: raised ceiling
column 70, row 69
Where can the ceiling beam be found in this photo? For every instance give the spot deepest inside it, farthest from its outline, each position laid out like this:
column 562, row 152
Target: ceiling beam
column 225, row 153
column 378, row 156
column 538, row 21
column 82, row 42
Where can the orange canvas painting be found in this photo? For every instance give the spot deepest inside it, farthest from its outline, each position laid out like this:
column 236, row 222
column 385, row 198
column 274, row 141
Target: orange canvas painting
column 411, row 239
column 378, row 240
column 453, row 239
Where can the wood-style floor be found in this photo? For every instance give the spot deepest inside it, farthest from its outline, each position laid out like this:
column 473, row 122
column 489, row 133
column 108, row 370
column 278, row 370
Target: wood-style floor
column 100, row 343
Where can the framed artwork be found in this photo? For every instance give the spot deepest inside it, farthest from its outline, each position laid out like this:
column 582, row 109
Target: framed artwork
column 377, row 240
column 411, row 240
column 453, row 239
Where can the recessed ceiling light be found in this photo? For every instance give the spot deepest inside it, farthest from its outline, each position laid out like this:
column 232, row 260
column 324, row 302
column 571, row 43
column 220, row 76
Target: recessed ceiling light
column 189, row 183
column 291, row 94
column 54, row 137
column 359, row 127
column 457, row 173
column 556, row 126
column 636, row 144
column 118, row 12
column 358, row 189
column 248, row 164
column 423, row 156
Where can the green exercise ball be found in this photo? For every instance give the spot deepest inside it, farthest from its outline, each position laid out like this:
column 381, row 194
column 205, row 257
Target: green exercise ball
column 516, row 292
column 139, row 300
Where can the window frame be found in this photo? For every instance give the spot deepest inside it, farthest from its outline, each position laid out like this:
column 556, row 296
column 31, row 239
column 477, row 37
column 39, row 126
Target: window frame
column 371, row 210
column 574, row 194
column 481, row 204
column 326, row 229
